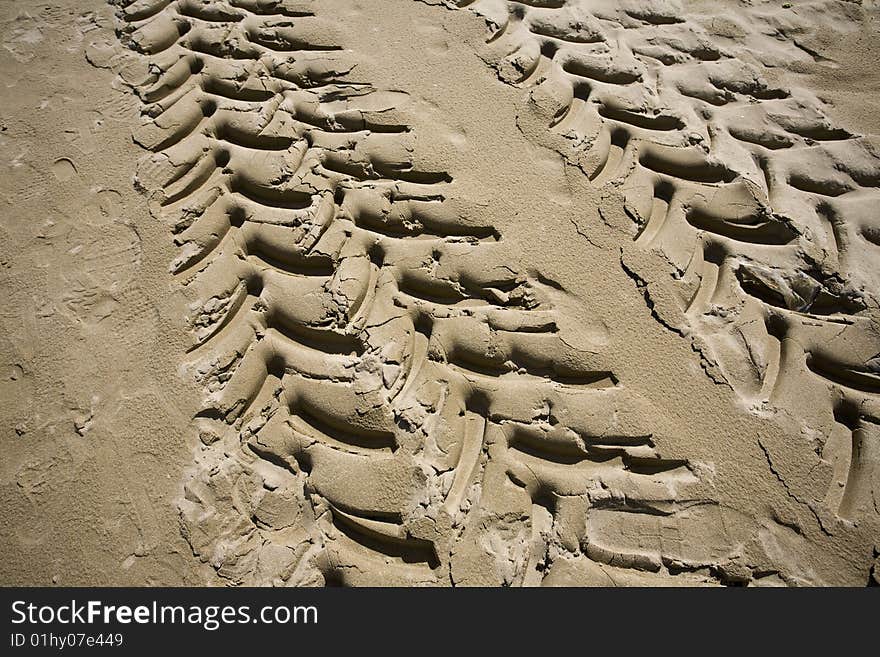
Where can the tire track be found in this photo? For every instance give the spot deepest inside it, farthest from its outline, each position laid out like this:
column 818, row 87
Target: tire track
column 761, row 205
column 371, row 355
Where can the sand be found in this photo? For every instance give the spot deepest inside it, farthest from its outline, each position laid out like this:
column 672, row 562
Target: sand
column 434, row 293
